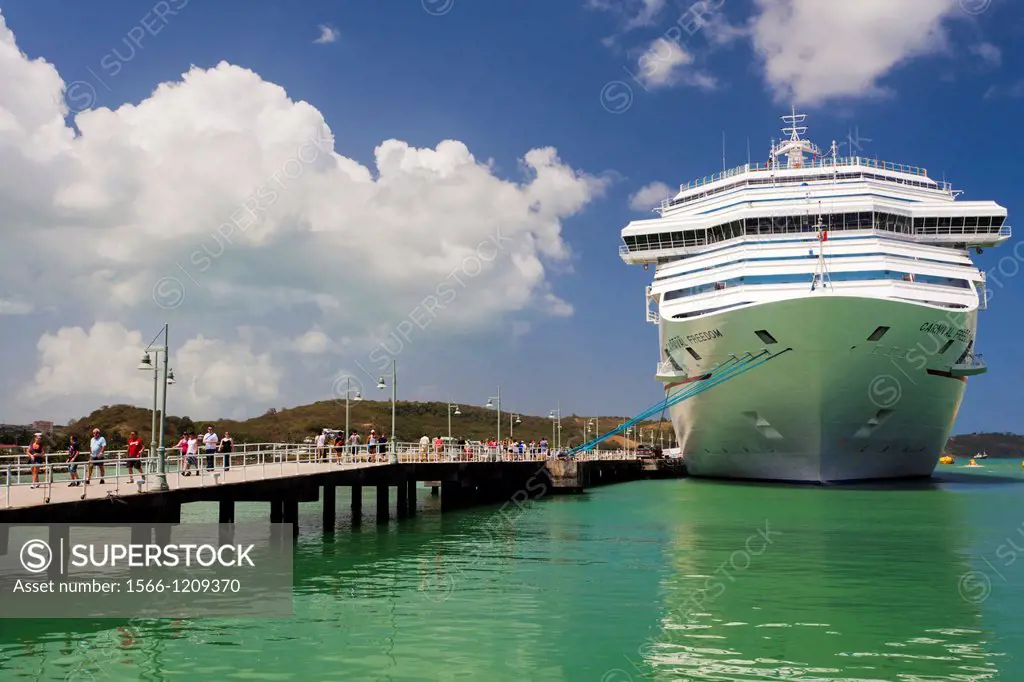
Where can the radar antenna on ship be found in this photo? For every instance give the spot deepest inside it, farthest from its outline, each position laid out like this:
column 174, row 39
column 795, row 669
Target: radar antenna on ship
column 795, row 147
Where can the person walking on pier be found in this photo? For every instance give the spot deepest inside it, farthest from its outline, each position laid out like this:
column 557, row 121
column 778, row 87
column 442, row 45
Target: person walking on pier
column 339, row 446
column 135, row 450
column 321, row 442
column 424, row 445
column 226, row 446
column 371, row 444
column 353, row 444
column 191, row 453
column 73, row 452
column 97, row 448
column 36, row 457
column 210, row 443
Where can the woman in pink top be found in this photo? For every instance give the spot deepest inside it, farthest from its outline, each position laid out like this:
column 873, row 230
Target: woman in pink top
column 183, row 446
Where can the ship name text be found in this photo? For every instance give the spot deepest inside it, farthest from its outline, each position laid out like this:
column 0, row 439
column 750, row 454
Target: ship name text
column 948, row 331
column 701, row 337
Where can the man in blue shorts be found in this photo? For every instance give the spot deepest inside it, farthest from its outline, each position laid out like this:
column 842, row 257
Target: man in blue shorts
column 97, row 448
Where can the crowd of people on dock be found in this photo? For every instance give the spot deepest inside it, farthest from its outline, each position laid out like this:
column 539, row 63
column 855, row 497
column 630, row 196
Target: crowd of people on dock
column 211, row 447
column 190, row 446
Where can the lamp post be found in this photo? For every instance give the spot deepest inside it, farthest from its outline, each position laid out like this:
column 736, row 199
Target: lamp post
column 358, row 396
column 491, row 406
column 517, row 420
column 452, row 409
column 597, row 429
column 168, row 379
column 393, row 452
column 556, row 418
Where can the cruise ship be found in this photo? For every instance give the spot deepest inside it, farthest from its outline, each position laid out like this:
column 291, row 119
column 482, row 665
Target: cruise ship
column 853, row 275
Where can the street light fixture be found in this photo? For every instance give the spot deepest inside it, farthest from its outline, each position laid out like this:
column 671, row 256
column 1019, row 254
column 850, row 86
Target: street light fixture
column 491, row 406
column 357, row 397
column 393, row 452
column 513, row 419
column 556, row 418
column 168, row 379
column 597, row 429
column 452, row 409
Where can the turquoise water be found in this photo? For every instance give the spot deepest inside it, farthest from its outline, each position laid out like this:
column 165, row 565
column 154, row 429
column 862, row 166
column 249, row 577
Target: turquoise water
column 667, row 580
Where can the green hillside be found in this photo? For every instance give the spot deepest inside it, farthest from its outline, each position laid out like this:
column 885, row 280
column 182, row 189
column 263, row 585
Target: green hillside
column 413, row 420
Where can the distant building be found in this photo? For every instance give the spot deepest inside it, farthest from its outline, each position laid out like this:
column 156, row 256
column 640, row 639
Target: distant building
column 43, row 426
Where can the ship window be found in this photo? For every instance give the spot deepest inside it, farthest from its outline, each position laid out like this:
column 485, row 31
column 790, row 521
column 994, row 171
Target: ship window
column 984, row 221
column 971, row 221
column 693, row 353
column 945, row 347
column 997, row 221
column 944, row 222
column 765, row 336
column 878, row 333
column 957, row 222
column 931, row 222
column 918, row 222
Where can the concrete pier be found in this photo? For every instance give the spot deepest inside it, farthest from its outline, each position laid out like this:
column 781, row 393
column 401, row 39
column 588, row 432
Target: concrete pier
column 227, row 512
column 330, row 503
column 357, row 505
column 402, row 502
column 410, row 492
column 461, row 484
column 383, row 502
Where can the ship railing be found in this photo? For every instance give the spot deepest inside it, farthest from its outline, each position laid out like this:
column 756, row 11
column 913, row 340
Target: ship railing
column 826, row 162
column 247, row 462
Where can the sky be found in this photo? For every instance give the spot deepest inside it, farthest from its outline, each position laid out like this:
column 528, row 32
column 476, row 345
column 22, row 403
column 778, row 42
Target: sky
column 305, row 192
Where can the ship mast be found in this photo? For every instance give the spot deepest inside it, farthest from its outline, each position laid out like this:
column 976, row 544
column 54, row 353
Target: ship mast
column 795, row 147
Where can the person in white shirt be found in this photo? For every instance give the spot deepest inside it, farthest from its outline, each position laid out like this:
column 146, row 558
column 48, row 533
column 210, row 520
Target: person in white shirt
column 210, row 441
column 321, row 440
column 191, row 454
column 424, row 444
column 353, row 444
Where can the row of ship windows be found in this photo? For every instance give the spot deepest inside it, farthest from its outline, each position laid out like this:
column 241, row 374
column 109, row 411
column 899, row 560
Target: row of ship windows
column 865, row 275
column 809, row 255
column 889, row 222
column 802, row 179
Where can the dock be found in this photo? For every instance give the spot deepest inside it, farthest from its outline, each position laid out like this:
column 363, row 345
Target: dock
column 284, row 475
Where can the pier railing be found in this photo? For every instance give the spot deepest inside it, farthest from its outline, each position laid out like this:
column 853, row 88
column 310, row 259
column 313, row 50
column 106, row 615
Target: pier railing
column 246, row 462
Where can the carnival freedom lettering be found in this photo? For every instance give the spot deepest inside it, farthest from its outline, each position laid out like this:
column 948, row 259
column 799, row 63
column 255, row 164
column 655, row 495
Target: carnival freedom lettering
column 701, row 337
column 946, row 330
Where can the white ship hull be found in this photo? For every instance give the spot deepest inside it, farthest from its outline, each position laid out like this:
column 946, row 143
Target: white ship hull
column 837, row 407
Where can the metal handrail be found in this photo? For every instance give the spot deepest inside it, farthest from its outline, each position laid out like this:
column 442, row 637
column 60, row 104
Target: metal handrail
column 258, row 461
column 827, row 162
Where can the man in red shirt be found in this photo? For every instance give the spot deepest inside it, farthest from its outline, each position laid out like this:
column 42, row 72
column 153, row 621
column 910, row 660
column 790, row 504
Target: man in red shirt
column 135, row 449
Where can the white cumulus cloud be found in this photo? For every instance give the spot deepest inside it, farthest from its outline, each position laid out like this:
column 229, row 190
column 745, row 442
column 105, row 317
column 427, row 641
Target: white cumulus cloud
column 813, row 51
column 650, row 196
column 223, row 204
column 328, row 34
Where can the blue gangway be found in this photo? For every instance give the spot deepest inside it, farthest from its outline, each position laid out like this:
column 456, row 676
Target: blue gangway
column 732, row 367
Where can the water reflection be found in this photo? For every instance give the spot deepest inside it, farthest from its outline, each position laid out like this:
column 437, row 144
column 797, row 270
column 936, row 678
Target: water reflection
column 818, row 584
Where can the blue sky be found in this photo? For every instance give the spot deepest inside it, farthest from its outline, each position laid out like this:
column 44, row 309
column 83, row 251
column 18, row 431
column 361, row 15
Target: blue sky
column 941, row 90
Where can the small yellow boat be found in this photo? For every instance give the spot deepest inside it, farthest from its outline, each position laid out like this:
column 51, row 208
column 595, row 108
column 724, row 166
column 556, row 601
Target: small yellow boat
column 948, row 459
column 972, row 463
